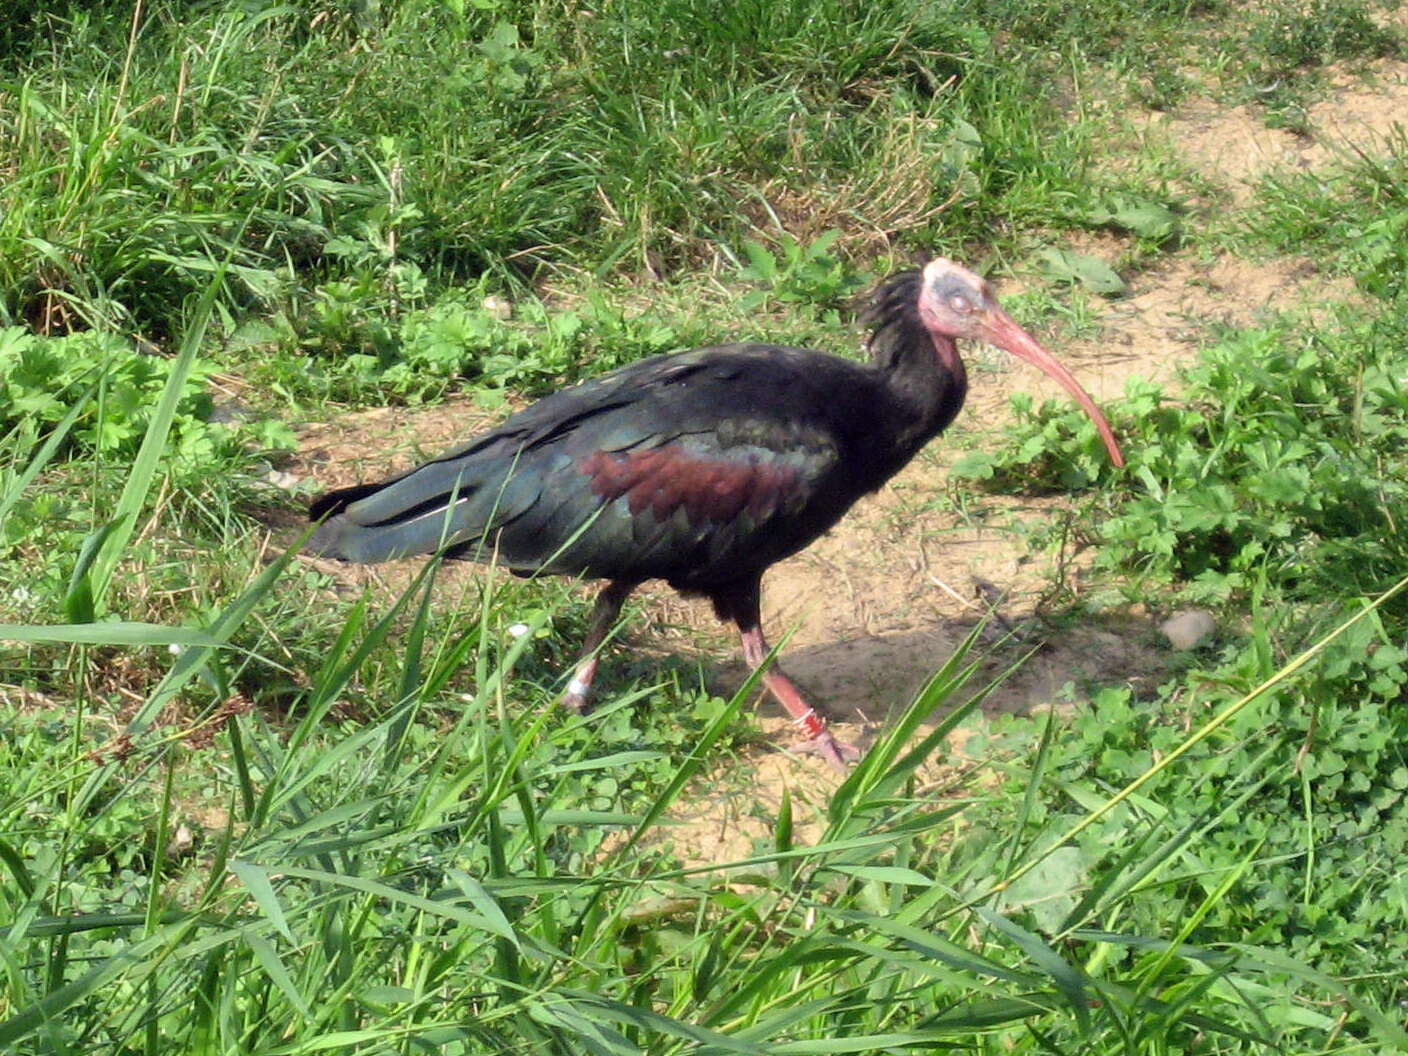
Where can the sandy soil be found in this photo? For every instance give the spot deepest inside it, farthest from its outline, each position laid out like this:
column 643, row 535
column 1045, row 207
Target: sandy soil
column 1234, row 148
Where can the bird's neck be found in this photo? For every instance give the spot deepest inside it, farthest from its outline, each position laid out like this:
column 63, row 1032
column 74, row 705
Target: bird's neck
column 927, row 381
column 919, row 369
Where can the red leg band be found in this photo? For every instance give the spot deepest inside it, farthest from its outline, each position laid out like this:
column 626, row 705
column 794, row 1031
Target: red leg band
column 810, row 723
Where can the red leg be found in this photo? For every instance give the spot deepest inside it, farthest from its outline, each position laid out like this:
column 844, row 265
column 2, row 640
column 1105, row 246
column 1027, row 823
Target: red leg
column 744, row 610
column 604, row 613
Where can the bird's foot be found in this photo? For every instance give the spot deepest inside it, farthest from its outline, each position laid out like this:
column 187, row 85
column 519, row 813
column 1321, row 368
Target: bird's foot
column 837, row 754
column 818, row 740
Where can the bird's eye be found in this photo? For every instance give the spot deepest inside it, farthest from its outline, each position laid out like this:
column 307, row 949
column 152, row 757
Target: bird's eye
column 960, row 304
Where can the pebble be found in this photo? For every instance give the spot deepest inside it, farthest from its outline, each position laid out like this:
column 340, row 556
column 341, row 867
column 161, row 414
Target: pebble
column 230, row 412
column 280, row 479
column 182, row 840
column 1188, row 628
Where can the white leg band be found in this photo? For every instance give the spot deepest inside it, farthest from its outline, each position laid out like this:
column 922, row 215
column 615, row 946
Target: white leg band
column 810, row 723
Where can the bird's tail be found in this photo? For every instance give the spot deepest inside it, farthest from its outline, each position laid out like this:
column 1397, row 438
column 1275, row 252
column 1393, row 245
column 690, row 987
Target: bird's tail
column 443, row 505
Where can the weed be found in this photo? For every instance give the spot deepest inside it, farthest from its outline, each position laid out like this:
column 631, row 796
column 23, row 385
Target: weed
column 1357, row 219
column 1314, row 774
column 1234, row 476
column 1292, row 36
column 45, row 377
column 586, row 150
column 351, row 864
column 1268, row 486
column 799, row 274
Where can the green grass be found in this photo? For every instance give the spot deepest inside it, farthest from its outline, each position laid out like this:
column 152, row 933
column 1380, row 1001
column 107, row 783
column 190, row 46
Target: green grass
column 242, row 810
column 404, row 145
column 423, row 146
column 385, row 882
column 1266, row 484
column 1357, row 220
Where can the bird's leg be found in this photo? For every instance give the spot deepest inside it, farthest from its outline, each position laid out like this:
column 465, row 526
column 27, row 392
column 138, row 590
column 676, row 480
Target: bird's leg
column 816, row 737
column 604, row 613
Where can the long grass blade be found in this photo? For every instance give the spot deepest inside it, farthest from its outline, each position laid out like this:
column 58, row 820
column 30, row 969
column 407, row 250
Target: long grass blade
column 153, row 448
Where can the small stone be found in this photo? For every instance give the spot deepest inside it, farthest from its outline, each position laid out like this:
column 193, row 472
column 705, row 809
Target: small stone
column 280, row 479
column 182, row 840
column 498, row 307
column 1188, row 628
column 230, row 412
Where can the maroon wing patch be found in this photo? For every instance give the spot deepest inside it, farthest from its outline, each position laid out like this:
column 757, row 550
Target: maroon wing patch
column 663, row 479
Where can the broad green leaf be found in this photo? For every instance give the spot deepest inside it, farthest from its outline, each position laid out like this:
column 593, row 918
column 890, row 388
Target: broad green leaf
column 1091, row 272
column 1146, row 219
column 274, row 968
column 256, row 879
column 885, row 874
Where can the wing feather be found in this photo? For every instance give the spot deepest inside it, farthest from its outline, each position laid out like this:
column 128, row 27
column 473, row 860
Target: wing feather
column 688, row 468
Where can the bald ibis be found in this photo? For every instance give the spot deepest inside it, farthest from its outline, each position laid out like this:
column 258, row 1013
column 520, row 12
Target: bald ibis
column 700, row 468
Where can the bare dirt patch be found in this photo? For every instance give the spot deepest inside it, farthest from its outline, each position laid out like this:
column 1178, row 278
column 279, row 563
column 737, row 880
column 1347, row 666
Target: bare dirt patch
column 1233, row 147
column 369, row 445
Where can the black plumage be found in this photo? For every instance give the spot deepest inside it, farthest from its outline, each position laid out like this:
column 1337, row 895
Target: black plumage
column 701, row 468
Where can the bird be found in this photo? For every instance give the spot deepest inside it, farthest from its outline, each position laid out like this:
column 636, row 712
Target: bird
column 701, row 468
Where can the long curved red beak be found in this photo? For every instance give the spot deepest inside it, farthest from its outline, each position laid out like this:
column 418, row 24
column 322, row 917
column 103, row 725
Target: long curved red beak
column 1003, row 331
